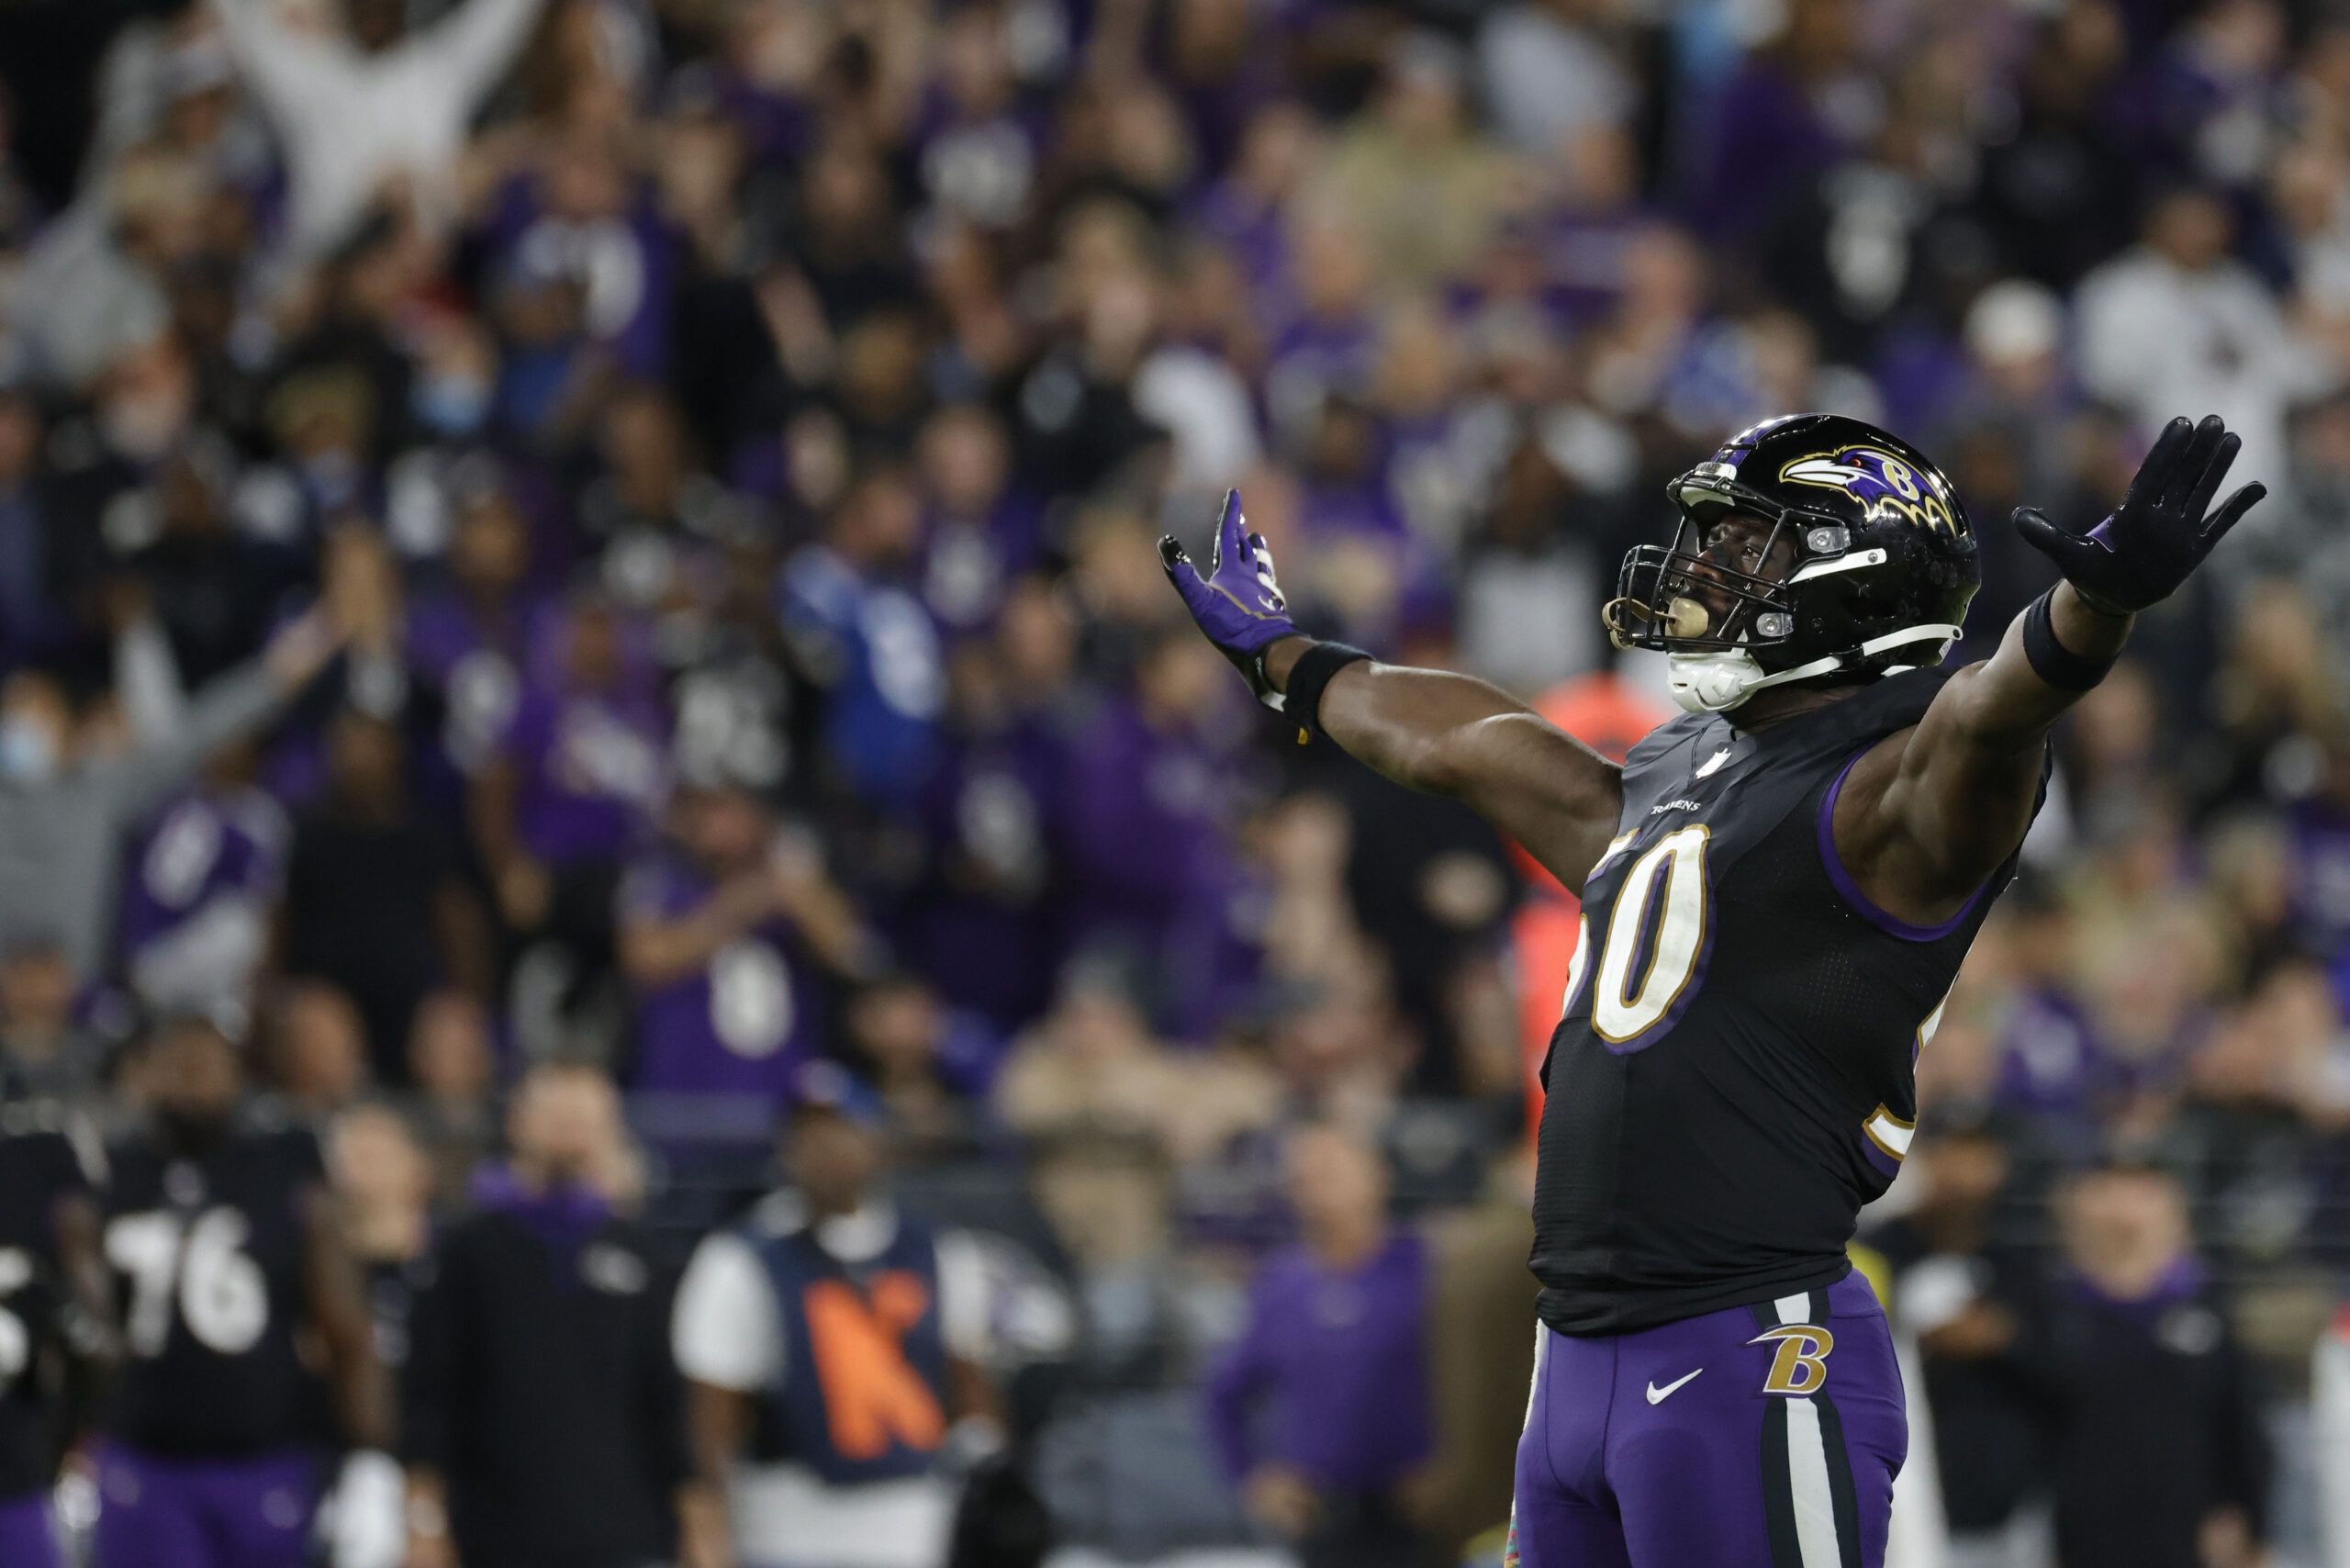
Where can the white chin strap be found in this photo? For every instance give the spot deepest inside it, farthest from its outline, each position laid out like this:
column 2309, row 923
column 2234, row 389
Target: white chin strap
column 1718, row 682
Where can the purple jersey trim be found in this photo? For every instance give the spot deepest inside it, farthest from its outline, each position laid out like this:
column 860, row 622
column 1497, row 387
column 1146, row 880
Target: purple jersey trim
column 1885, row 1164
column 1850, row 891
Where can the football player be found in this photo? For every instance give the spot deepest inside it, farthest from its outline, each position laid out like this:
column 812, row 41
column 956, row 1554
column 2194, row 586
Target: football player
column 228, row 1267
column 52, row 1304
column 1777, row 888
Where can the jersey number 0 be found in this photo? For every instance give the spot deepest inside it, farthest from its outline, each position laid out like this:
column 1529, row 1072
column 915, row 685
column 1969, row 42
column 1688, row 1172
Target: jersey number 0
column 1659, row 914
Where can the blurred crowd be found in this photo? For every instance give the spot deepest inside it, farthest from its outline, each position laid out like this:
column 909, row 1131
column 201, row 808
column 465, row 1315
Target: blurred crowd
column 621, row 531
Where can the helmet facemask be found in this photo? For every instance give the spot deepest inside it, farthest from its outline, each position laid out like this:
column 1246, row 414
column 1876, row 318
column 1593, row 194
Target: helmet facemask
column 1719, row 623
column 1670, row 598
column 1864, row 564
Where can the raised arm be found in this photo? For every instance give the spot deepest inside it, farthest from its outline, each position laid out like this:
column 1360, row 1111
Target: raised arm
column 1930, row 813
column 1427, row 730
column 290, row 72
column 229, row 707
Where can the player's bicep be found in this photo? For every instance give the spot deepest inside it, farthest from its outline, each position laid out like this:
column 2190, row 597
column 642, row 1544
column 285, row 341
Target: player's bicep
column 1557, row 798
column 1929, row 812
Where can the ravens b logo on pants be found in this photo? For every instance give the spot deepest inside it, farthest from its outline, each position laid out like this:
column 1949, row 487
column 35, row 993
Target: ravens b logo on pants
column 1800, row 1365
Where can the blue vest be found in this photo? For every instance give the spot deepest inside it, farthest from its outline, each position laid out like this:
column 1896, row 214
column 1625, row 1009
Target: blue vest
column 864, row 1390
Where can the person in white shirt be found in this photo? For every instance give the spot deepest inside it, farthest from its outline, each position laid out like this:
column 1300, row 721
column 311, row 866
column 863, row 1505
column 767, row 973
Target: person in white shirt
column 359, row 109
column 832, row 1342
column 2178, row 321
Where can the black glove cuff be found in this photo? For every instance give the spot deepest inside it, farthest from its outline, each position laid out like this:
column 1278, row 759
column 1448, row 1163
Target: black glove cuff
column 2051, row 660
column 1302, row 699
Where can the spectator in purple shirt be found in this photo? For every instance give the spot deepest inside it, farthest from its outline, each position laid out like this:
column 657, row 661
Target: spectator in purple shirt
column 1223, row 63
column 570, row 791
column 1247, row 210
column 204, row 877
column 1147, row 797
column 929, row 1064
column 1771, row 129
column 2051, row 1064
column 1320, row 1413
column 981, row 923
column 581, row 216
column 761, row 73
column 978, row 534
column 1325, row 335
column 724, row 935
column 465, row 639
column 977, row 151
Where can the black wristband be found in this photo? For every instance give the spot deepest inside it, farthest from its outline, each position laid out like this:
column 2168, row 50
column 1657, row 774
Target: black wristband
column 2051, row 660
column 1302, row 699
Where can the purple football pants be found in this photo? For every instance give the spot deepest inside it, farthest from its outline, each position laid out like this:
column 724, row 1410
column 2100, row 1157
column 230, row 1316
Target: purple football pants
column 178, row 1513
column 1760, row 1437
column 26, row 1538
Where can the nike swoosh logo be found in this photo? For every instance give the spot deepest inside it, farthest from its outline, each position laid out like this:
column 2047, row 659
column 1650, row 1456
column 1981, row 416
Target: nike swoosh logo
column 1712, row 764
column 1659, row 1395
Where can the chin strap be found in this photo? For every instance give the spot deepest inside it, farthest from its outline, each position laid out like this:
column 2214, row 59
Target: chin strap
column 1716, row 683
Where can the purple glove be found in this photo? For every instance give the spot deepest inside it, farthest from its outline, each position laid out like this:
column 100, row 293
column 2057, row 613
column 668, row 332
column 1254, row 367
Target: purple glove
column 1238, row 605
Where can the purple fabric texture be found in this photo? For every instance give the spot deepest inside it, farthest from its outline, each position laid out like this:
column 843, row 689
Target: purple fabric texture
column 1664, row 1448
column 1330, row 1377
column 178, row 1513
column 26, row 1537
column 743, row 1022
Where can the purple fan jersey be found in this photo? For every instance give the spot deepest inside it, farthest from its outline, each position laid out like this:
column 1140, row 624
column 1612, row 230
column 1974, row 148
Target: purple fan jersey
column 967, row 562
column 2051, row 1061
column 1142, row 815
column 203, row 878
column 738, row 1025
column 26, row 1538
column 623, row 263
column 476, row 666
column 982, row 924
column 591, row 771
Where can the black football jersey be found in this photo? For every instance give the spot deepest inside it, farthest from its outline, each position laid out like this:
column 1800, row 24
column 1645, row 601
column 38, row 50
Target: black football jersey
column 207, row 1254
column 39, row 1167
column 1732, row 1077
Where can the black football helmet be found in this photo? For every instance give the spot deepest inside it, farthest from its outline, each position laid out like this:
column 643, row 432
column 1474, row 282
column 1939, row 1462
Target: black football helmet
column 1868, row 564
